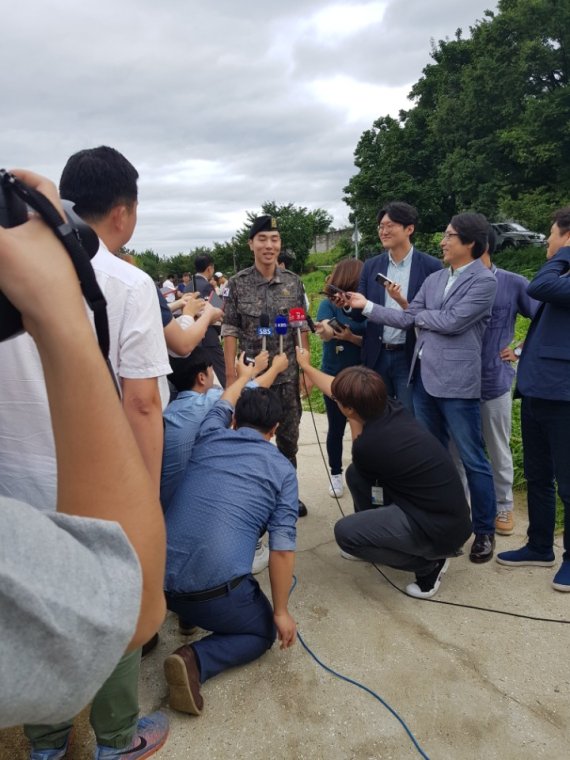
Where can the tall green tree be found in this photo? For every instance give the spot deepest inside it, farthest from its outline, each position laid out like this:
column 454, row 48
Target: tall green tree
column 489, row 128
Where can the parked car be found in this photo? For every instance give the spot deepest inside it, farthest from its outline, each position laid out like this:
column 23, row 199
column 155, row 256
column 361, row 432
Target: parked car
column 514, row 235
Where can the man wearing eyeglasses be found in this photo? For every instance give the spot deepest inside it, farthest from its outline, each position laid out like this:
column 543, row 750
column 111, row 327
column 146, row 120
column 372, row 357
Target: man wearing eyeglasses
column 389, row 350
column 450, row 314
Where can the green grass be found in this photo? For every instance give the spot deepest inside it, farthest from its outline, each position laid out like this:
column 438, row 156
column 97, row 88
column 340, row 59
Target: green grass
column 327, row 259
column 314, row 282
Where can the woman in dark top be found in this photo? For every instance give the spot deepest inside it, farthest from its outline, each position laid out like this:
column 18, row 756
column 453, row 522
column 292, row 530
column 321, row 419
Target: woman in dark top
column 341, row 349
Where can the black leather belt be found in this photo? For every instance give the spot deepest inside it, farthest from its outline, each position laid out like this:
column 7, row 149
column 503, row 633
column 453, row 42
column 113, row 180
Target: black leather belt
column 211, row 593
column 394, row 346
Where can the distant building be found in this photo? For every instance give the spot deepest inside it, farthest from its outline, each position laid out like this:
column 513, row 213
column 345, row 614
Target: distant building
column 324, row 243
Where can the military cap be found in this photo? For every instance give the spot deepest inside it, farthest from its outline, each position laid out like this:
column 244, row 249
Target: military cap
column 265, row 223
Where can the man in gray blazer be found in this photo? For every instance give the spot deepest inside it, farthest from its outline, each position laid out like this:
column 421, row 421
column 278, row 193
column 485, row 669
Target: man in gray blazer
column 450, row 314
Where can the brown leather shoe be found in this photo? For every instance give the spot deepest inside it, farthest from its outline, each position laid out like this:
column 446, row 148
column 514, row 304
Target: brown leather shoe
column 482, row 548
column 183, row 678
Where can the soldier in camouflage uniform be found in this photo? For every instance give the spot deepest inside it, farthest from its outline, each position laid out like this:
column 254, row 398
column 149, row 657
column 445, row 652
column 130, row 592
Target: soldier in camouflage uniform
column 266, row 289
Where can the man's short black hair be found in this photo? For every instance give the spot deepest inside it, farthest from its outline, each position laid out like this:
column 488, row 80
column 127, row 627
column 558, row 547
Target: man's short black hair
column 562, row 219
column 202, row 262
column 286, row 257
column 258, row 408
column 472, row 228
column 185, row 371
column 399, row 212
column 97, row 180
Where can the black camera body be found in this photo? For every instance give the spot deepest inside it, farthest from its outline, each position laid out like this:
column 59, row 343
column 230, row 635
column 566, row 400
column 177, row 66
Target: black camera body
column 13, row 212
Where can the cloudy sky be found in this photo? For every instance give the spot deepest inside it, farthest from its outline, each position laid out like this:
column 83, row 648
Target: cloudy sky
column 220, row 105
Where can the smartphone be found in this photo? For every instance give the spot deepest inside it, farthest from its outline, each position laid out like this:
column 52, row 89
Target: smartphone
column 382, row 279
column 332, row 290
column 336, row 325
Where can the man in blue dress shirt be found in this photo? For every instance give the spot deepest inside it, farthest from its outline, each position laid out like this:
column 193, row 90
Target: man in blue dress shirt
column 193, row 378
column 497, row 375
column 212, row 533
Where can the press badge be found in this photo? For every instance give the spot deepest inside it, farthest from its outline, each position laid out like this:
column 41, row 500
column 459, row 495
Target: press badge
column 377, row 496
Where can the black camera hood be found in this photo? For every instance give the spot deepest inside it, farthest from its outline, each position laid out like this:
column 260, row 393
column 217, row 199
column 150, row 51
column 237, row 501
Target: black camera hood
column 80, row 241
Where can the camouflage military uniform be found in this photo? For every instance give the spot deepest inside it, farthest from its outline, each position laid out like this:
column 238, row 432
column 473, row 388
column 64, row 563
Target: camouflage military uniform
column 247, row 297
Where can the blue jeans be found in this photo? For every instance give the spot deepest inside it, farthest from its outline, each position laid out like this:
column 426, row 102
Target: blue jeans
column 545, row 429
column 241, row 623
column 335, row 434
column 394, row 369
column 461, row 418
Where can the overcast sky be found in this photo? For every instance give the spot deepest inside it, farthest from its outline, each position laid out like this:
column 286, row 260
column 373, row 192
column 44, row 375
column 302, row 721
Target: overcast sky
column 220, row 105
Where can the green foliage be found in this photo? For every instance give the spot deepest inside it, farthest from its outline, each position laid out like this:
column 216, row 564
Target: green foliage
column 526, row 261
column 149, row 261
column 314, row 282
column 487, row 128
column 326, row 259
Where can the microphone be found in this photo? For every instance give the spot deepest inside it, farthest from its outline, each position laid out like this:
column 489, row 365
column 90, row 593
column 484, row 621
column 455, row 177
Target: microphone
column 281, row 324
column 297, row 320
column 311, row 324
column 264, row 330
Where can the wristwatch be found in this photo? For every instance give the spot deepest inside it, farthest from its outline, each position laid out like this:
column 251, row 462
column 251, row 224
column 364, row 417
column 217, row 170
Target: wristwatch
column 517, row 351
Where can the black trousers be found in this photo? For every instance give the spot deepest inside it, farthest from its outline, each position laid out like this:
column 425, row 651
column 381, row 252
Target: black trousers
column 383, row 535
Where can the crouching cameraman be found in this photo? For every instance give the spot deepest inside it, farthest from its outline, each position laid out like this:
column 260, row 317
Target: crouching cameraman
column 80, row 586
column 410, row 507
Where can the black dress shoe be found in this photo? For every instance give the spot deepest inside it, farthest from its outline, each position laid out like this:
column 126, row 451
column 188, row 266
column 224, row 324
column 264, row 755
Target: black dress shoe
column 150, row 645
column 482, row 548
column 302, row 509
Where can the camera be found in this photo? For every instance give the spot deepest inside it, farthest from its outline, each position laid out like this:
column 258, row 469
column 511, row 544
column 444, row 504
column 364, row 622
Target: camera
column 13, row 212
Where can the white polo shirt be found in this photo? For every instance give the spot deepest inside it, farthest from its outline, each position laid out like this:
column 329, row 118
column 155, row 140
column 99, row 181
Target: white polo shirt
column 137, row 351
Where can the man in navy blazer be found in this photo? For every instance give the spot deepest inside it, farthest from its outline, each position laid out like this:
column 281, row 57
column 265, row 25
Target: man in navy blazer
column 388, row 350
column 543, row 381
column 451, row 312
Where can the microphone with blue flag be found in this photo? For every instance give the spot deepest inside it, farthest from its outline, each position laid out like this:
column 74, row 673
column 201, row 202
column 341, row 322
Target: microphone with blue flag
column 281, row 325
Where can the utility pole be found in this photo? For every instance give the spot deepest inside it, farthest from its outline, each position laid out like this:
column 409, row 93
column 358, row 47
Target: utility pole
column 355, row 237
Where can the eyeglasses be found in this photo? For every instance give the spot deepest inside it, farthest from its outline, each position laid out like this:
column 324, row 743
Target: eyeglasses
column 447, row 235
column 387, row 226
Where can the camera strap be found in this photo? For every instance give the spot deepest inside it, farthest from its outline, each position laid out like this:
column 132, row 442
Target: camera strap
column 79, row 257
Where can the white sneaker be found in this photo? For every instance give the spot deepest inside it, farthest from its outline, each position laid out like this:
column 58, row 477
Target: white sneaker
column 336, row 487
column 427, row 586
column 261, row 559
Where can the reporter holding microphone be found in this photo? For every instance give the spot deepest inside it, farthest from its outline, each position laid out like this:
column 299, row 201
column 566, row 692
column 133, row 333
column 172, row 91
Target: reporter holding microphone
column 342, row 345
